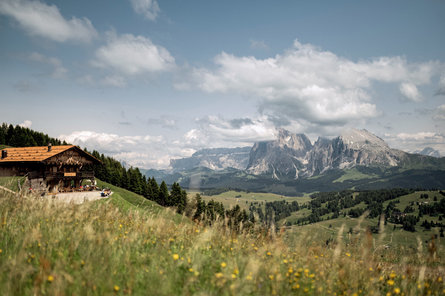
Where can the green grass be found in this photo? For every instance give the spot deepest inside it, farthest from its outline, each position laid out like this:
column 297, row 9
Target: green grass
column 126, row 245
column 243, row 199
column 354, row 174
column 12, row 183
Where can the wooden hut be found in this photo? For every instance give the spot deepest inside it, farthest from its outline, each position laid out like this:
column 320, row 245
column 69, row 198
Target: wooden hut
column 49, row 167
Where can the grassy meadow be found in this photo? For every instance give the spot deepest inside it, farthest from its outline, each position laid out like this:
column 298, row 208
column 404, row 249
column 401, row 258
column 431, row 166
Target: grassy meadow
column 126, row 245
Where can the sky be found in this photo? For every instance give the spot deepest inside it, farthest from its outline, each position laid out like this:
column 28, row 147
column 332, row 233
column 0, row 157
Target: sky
column 146, row 81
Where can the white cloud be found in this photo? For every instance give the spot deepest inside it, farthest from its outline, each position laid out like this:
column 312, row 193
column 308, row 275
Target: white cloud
column 417, row 141
column 26, row 123
column 144, row 151
column 132, row 55
column 148, row 8
column 307, row 83
column 439, row 113
column 58, row 71
column 410, row 91
column 215, row 131
column 40, row 19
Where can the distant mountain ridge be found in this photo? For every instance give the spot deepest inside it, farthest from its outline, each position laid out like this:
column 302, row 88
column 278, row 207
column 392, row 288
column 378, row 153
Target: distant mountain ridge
column 214, row 158
column 291, row 164
column 294, row 156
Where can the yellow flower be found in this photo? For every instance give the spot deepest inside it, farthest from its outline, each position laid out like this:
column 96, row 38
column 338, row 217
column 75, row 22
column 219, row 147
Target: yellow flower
column 370, row 269
column 271, row 277
column 392, row 275
column 1, row 251
column 219, row 275
column 223, row 264
column 396, row 290
column 269, row 254
column 50, row 278
column 390, row 282
column 348, row 254
column 116, row 288
column 233, row 276
column 175, row 257
column 191, row 269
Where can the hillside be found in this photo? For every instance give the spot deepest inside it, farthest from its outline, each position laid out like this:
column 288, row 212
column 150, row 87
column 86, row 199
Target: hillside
column 127, row 245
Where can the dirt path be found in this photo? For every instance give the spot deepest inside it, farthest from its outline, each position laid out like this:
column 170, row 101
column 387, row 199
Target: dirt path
column 77, row 197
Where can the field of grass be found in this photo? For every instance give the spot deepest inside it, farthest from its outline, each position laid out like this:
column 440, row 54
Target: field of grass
column 354, row 174
column 12, row 183
column 125, row 245
column 243, row 199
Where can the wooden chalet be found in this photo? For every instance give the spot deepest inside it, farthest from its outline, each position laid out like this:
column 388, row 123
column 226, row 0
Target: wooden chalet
column 49, row 167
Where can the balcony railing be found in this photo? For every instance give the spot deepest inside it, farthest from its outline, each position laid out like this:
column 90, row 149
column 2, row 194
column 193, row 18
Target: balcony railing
column 63, row 175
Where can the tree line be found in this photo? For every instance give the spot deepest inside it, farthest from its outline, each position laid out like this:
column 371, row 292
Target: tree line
column 17, row 136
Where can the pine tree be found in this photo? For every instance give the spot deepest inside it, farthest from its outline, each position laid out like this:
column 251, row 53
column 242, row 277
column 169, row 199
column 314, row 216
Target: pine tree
column 163, row 197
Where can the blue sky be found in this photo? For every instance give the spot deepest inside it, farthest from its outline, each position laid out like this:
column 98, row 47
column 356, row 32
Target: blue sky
column 150, row 80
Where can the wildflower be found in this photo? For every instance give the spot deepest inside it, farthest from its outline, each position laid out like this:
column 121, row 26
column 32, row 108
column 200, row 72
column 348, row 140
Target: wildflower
column 191, row 269
column 296, row 286
column 348, row 254
column 390, row 282
column 219, row 275
column 223, row 264
column 271, row 277
column 197, row 230
column 285, row 261
column 1, row 251
column 392, row 275
column 249, row 277
column 269, row 254
column 175, row 257
column 370, row 269
column 233, row 276
column 439, row 279
column 50, row 278
column 196, row 273
column 116, row 288
column 397, row 290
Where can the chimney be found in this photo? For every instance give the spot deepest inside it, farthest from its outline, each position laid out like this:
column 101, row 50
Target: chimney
column 4, row 153
column 49, row 147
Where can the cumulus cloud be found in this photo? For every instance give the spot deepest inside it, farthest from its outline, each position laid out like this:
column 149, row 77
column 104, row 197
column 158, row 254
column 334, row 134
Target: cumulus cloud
column 40, row 19
column 410, row 92
column 143, row 151
column 57, row 71
column 216, row 131
column 417, row 141
column 132, row 55
column 26, row 123
column 148, row 8
column 310, row 84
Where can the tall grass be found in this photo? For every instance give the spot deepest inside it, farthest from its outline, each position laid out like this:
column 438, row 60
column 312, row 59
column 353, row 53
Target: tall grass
column 53, row 248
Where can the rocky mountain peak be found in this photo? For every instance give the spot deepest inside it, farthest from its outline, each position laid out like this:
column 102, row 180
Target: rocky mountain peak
column 359, row 139
column 298, row 142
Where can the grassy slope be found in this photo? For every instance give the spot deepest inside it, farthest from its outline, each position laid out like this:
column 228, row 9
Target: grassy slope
column 127, row 245
column 230, row 199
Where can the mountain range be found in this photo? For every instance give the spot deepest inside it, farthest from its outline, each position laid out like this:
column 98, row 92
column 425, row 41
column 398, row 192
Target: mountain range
column 292, row 159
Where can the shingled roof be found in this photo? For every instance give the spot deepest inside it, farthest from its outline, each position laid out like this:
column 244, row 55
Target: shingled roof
column 36, row 154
